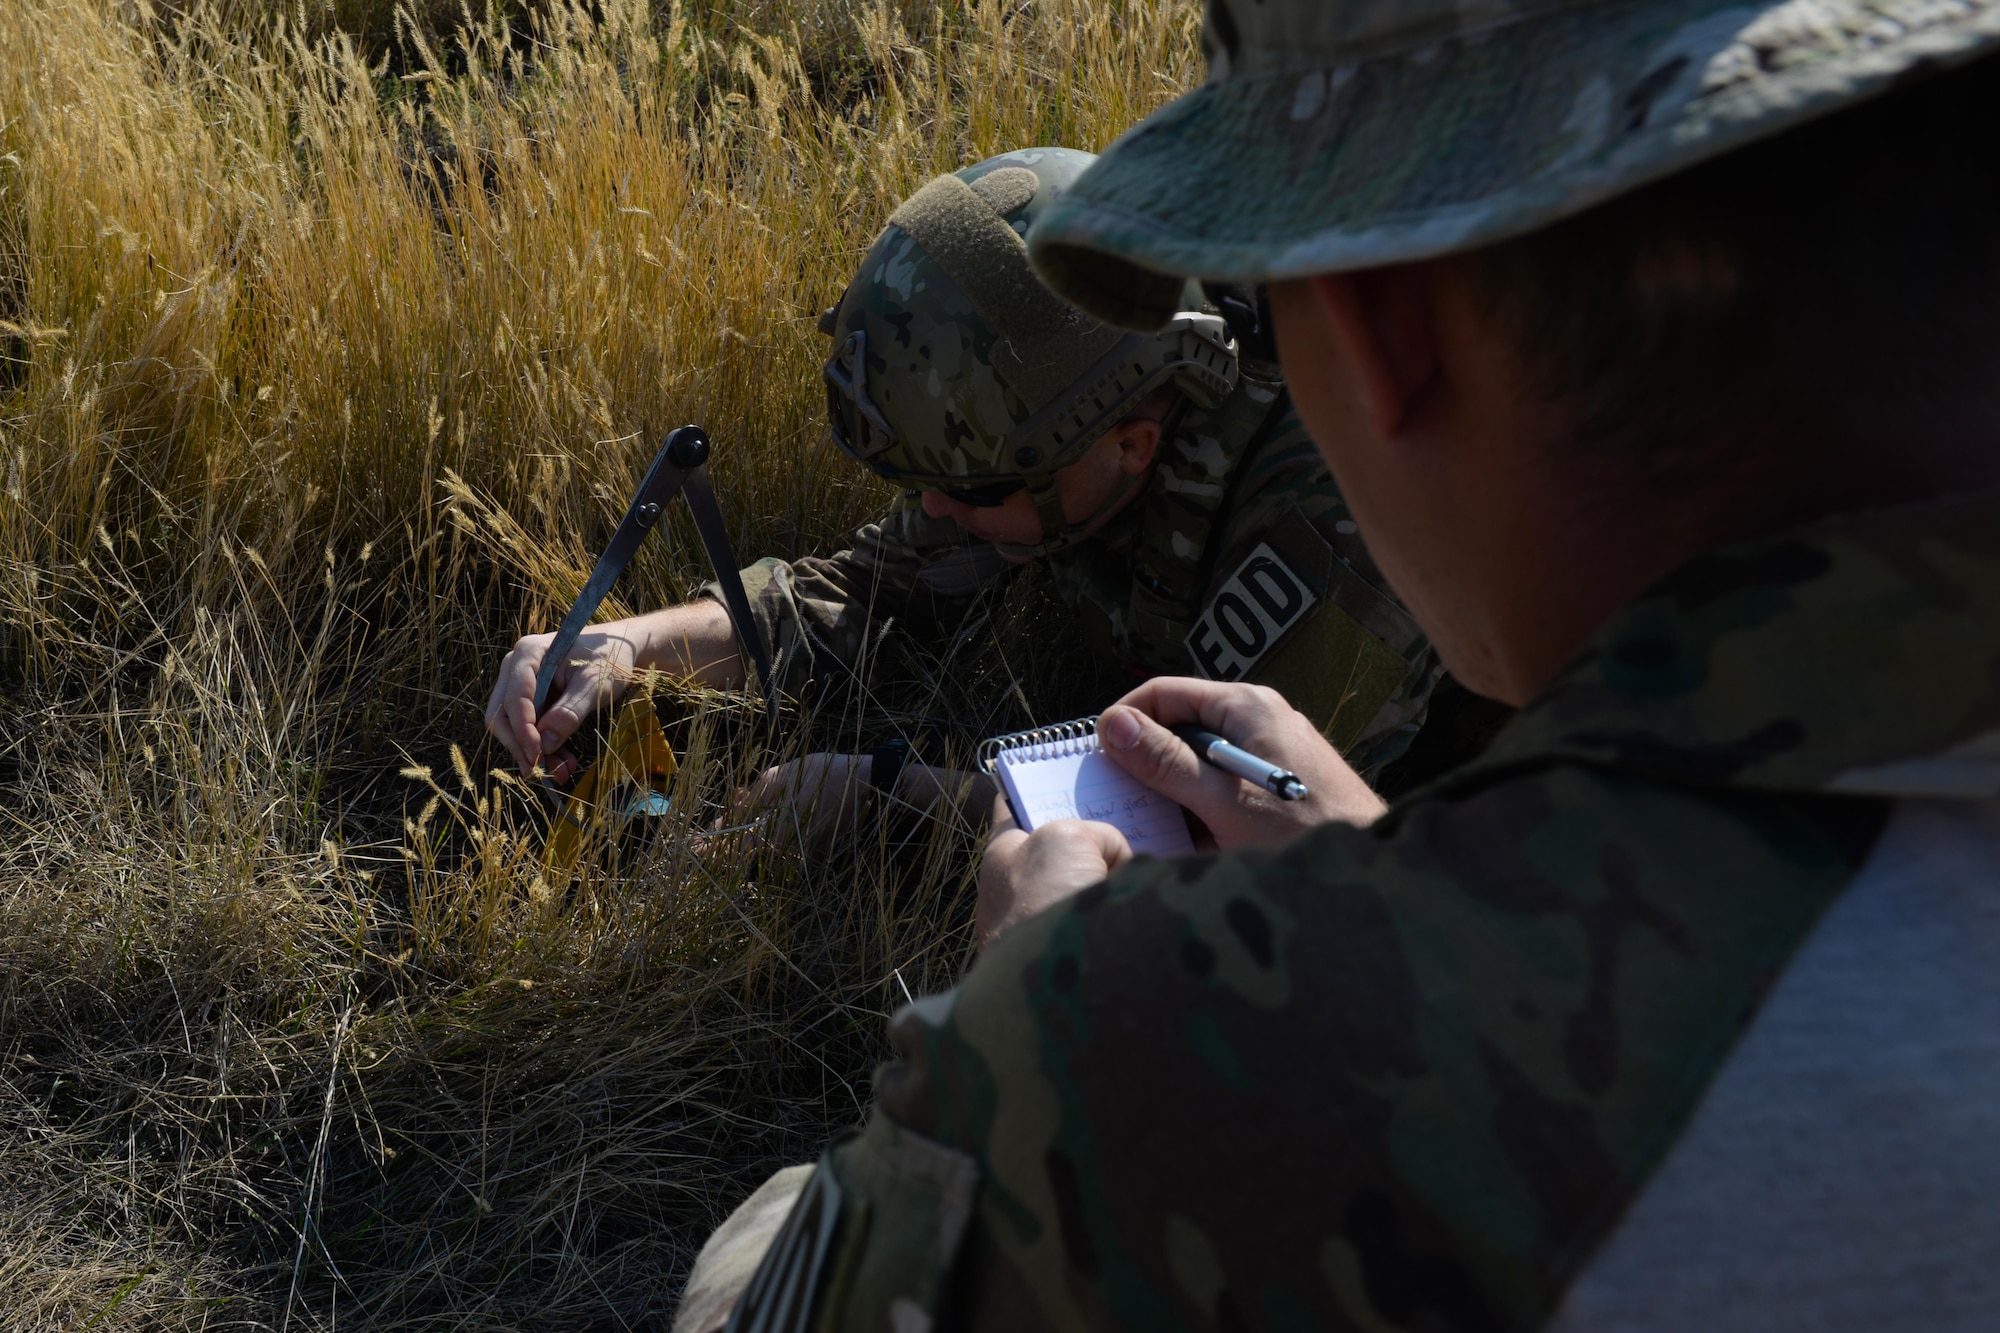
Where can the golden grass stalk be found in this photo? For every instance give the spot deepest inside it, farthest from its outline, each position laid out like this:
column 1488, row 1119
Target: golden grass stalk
column 326, row 363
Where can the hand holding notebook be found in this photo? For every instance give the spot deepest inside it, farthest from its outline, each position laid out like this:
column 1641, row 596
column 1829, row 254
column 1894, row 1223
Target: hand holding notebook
column 1147, row 733
column 1059, row 772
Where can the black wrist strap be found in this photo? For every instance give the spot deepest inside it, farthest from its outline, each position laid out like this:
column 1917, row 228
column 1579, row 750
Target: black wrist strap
column 886, row 765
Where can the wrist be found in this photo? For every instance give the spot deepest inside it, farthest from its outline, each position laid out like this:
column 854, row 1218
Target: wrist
column 886, row 765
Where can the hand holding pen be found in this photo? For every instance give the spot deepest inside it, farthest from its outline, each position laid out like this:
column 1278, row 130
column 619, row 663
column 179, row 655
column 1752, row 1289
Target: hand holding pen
column 1232, row 758
column 1247, row 765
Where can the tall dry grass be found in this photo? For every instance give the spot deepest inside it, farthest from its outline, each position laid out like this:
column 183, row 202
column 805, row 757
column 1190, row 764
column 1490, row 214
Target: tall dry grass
column 333, row 339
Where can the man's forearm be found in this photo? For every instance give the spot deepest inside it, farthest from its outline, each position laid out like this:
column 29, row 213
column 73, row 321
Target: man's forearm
column 694, row 639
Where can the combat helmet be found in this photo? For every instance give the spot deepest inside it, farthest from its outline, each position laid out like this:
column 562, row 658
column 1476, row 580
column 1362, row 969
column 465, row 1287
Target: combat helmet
column 954, row 369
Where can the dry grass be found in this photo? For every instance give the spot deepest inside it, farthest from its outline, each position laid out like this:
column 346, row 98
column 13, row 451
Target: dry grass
column 328, row 360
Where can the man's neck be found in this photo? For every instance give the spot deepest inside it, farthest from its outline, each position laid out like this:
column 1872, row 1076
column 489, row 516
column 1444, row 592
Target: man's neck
column 1122, row 504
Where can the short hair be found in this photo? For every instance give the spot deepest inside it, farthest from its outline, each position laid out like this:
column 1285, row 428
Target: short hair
column 1837, row 284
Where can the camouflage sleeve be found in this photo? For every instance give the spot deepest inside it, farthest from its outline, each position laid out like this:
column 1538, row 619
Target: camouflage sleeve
column 726, row 1263
column 1297, row 604
column 822, row 611
column 1403, row 1077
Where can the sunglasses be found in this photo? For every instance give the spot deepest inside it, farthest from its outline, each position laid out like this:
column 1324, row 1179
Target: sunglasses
column 988, row 496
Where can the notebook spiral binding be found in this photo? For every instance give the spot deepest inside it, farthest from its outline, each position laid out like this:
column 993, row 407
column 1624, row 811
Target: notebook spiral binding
column 1051, row 741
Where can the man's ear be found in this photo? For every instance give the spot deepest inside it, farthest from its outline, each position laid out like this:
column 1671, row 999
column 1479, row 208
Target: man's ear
column 1382, row 318
column 1138, row 445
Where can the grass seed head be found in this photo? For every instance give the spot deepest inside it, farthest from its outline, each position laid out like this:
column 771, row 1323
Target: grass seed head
column 397, row 301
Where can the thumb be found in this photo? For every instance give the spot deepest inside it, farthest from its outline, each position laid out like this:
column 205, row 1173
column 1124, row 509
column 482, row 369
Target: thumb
column 560, row 720
column 1111, row 844
column 1155, row 756
column 1002, row 818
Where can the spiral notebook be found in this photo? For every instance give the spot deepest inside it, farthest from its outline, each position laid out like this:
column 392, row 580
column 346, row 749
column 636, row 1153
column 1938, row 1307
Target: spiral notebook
column 1060, row 773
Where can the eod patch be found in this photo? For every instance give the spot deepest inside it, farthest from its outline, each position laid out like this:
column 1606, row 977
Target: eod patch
column 1253, row 609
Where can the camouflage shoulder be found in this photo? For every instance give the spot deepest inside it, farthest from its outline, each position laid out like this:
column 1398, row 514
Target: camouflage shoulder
column 820, row 611
column 782, row 618
column 870, row 1241
column 1861, row 655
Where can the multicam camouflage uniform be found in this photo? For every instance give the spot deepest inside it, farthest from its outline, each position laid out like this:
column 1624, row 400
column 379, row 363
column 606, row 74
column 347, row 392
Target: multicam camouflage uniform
column 1238, row 561
column 1231, row 485
column 1428, row 1063
column 1410, row 1077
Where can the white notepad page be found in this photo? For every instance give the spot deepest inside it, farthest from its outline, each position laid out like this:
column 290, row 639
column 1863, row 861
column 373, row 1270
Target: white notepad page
column 1071, row 778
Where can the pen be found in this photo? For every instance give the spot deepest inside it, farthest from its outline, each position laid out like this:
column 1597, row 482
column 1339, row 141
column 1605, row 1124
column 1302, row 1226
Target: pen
column 1282, row 783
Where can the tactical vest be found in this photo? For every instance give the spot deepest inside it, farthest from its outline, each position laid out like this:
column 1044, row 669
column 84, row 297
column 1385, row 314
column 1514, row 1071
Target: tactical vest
column 1240, row 563
column 1138, row 592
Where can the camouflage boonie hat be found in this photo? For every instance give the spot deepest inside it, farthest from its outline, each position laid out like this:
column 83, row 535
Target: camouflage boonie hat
column 955, row 369
column 1335, row 136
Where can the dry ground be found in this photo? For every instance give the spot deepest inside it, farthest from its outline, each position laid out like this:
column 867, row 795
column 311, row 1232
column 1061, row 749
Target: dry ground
column 331, row 342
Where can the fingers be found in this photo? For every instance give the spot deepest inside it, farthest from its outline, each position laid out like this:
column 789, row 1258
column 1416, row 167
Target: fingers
column 595, row 673
column 1252, row 716
column 1162, row 760
column 807, row 779
column 562, row 766
column 1134, row 732
column 1214, row 704
column 1025, row 873
column 1002, row 854
column 769, row 788
column 502, row 728
column 1108, row 842
column 526, row 739
column 812, row 796
column 1073, row 853
column 1002, row 819
column 583, row 692
column 510, row 710
column 1001, row 900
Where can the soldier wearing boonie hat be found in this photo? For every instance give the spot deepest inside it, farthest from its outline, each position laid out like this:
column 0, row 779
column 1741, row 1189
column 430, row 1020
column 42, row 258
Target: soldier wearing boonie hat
column 1656, row 347
column 1337, row 136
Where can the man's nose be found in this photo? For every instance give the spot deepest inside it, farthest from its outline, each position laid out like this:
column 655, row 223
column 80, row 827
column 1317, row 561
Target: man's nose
column 939, row 505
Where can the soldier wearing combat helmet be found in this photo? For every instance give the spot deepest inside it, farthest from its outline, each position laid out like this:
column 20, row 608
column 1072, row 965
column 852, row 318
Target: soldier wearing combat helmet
column 1162, row 477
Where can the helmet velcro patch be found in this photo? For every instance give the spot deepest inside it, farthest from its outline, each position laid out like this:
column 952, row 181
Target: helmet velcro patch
column 1008, row 190
column 1043, row 338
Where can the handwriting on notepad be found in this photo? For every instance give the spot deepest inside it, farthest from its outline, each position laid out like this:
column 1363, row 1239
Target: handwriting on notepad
column 1088, row 785
column 1117, row 810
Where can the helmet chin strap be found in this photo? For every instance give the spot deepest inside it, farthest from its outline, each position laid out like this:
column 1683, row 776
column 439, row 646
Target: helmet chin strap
column 1058, row 533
